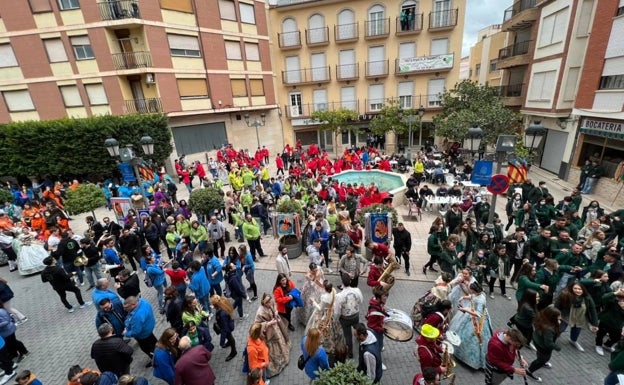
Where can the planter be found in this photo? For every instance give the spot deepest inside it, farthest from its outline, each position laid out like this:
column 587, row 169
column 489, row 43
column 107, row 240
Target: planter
column 292, row 244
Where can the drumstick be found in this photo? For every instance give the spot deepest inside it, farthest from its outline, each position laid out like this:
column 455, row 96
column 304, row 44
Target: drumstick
column 526, row 382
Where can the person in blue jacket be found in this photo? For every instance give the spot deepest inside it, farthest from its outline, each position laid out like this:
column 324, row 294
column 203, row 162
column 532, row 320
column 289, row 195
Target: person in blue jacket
column 214, row 272
column 102, row 291
column 237, row 290
column 157, row 276
column 249, row 269
column 165, row 355
column 314, row 353
column 140, row 324
column 113, row 313
column 199, row 283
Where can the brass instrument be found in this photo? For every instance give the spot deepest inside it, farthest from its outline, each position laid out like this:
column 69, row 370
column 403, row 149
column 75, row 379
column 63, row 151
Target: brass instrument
column 387, row 276
column 449, row 364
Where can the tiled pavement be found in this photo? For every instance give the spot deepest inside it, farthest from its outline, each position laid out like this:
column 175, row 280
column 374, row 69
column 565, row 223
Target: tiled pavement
column 58, row 340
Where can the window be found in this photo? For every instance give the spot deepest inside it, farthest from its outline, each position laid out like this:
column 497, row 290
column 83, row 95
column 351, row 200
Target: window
column 296, row 107
column 477, row 69
column 406, row 89
column 227, row 10
column 37, row 6
column 252, row 52
column 348, row 99
column 553, row 28
column 56, row 50
column 232, row 50
column 375, row 97
column 239, row 88
column 439, row 46
column 436, row 88
column 613, row 82
column 347, row 27
column 320, row 100
column 585, row 18
column 82, row 47
column 493, row 65
column 441, row 14
column 542, row 85
column 96, row 94
column 17, row 101
column 620, row 11
column 68, row 4
column 256, row 87
column 177, row 5
column 376, row 22
column 569, row 93
column 182, row 45
column 71, row 96
column 247, row 13
column 7, row 56
column 407, row 50
column 192, row 88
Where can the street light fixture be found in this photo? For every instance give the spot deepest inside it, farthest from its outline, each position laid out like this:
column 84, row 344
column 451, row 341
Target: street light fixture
column 533, row 135
column 127, row 155
column 472, row 141
column 421, row 113
column 256, row 123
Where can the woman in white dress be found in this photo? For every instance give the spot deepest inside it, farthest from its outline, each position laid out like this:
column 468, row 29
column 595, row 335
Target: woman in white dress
column 322, row 318
column 460, row 286
column 311, row 291
column 31, row 253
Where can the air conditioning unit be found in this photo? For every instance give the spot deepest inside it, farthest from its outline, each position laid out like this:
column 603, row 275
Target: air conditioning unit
column 150, row 78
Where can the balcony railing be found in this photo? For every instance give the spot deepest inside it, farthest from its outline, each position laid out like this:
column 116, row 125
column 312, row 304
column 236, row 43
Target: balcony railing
column 434, row 63
column 144, row 106
column 443, row 19
column 306, row 110
column 376, row 69
column 518, row 7
column 520, row 48
column 317, row 36
column 119, row 9
column 131, row 60
column 406, row 27
column 377, row 28
column 306, row 75
column 289, row 40
column 347, row 71
column 511, row 90
column 346, row 32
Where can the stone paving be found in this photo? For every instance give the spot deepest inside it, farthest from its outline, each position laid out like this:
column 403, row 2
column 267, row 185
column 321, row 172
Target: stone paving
column 58, row 340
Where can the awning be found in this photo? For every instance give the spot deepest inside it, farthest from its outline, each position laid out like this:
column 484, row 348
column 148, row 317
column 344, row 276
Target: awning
column 604, row 134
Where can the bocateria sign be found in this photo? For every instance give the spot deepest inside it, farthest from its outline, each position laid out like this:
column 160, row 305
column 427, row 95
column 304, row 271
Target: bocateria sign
column 603, row 126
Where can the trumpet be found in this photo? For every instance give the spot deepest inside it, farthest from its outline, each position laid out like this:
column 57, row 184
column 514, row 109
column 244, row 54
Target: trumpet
column 449, row 364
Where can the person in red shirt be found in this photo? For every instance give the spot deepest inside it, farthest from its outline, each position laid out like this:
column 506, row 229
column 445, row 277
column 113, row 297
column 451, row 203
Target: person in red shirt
column 501, row 355
column 377, row 312
column 265, row 154
column 279, row 163
column 200, row 170
column 177, row 276
column 378, row 249
column 428, row 350
column 438, row 319
column 374, row 274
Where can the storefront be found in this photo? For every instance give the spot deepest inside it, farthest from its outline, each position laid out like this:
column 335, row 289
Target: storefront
column 602, row 140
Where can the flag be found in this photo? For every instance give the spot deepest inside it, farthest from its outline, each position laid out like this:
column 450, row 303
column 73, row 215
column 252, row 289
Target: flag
column 517, row 170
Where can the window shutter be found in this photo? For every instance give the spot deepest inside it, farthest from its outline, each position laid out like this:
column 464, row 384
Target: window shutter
column 37, row 6
column 71, row 96
column 232, row 50
column 192, row 88
column 183, row 42
column 227, row 9
column 439, row 46
column 407, row 50
column 252, row 52
column 80, row 40
column 18, row 100
column 256, row 87
column 238, row 87
column 56, row 50
column 177, row 5
column 7, row 56
column 247, row 13
column 96, row 94
column 406, row 88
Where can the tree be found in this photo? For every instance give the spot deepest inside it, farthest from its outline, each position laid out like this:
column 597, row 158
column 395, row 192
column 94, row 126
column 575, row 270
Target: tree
column 342, row 373
column 390, row 118
column 336, row 121
column 85, row 198
column 205, row 201
column 469, row 103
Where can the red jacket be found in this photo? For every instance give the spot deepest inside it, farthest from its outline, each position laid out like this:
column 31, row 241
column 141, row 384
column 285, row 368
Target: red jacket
column 373, row 276
column 193, row 368
column 499, row 353
column 375, row 321
column 435, row 319
column 429, row 353
column 282, row 299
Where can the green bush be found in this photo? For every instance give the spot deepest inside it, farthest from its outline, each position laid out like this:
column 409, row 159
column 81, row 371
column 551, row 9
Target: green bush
column 342, row 374
column 6, row 196
column 85, row 198
column 205, row 201
column 375, row 208
column 290, row 206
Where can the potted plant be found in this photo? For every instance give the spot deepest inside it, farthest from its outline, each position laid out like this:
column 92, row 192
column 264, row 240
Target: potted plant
column 342, row 373
column 205, row 201
column 291, row 242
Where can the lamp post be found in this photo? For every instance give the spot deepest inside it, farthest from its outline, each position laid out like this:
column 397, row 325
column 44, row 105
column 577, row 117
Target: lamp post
column 421, row 113
column 472, row 141
column 533, row 136
column 256, row 123
column 126, row 154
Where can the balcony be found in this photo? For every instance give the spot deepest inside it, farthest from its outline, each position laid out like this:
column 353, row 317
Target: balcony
column 443, row 20
column 514, row 55
column 376, row 69
column 317, row 36
column 345, row 33
column 306, row 76
column 376, row 29
column 119, row 9
column 306, row 110
column 424, row 64
column 409, row 27
column 512, row 94
column 132, row 60
column 522, row 14
column 144, row 106
column 289, row 40
column 346, row 72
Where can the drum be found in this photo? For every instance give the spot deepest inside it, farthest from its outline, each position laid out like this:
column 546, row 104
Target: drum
column 447, row 345
column 398, row 326
column 452, row 338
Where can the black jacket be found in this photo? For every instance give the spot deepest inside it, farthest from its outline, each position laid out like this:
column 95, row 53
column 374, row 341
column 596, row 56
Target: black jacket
column 235, row 284
column 112, row 354
column 57, row 277
column 130, row 287
column 130, row 245
column 402, row 240
column 173, row 311
column 92, row 254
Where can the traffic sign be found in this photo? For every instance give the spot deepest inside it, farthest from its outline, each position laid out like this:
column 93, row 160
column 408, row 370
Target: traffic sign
column 482, row 172
column 498, row 184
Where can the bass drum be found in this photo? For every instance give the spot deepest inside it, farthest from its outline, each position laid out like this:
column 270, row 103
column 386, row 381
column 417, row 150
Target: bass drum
column 398, row 326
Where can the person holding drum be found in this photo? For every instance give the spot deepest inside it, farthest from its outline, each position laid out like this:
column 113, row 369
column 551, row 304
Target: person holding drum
column 376, row 315
column 439, row 318
column 428, row 350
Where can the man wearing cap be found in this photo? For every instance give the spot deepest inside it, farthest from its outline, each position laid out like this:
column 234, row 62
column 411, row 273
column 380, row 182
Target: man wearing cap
column 501, row 355
column 428, row 350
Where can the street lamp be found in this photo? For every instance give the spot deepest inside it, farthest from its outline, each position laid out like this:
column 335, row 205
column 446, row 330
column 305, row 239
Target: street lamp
column 472, row 141
column 256, row 123
column 421, row 113
column 533, row 135
column 127, row 155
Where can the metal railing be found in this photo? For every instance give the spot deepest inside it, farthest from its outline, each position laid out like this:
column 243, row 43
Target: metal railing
column 518, row 7
column 377, row 28
column 317, row 36
column 511, row 90
column 144, row 106
column 376, row 68
column 346, row 32
column 119, row 9
column 347, row 71
column 519, row 48
column 443, row 19
column 289, row 39
column 306, row 75
column 130, row 60
column 409, row 26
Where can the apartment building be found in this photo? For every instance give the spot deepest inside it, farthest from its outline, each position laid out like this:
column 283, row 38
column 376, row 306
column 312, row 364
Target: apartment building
column 600, row 107
column 483, row 67
column 204, row 64
column 359, row 55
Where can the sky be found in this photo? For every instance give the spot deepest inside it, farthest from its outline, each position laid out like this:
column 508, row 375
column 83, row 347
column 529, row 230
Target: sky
column 480, row 14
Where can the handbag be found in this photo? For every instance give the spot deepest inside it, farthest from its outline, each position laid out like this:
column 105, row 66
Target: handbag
column 301, row 362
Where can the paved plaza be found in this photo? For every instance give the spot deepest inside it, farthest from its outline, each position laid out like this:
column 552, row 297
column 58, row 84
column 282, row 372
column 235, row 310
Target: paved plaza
column 58, row 340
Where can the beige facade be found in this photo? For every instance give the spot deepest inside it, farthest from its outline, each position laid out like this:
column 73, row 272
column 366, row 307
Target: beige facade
column 483, row 67
column 359, row 55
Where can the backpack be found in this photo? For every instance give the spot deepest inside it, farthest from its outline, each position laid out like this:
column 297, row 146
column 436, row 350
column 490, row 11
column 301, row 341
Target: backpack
column 424, row 306
column 245, row 368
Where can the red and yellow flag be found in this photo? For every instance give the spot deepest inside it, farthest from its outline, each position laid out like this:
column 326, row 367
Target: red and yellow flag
column 517, row 170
